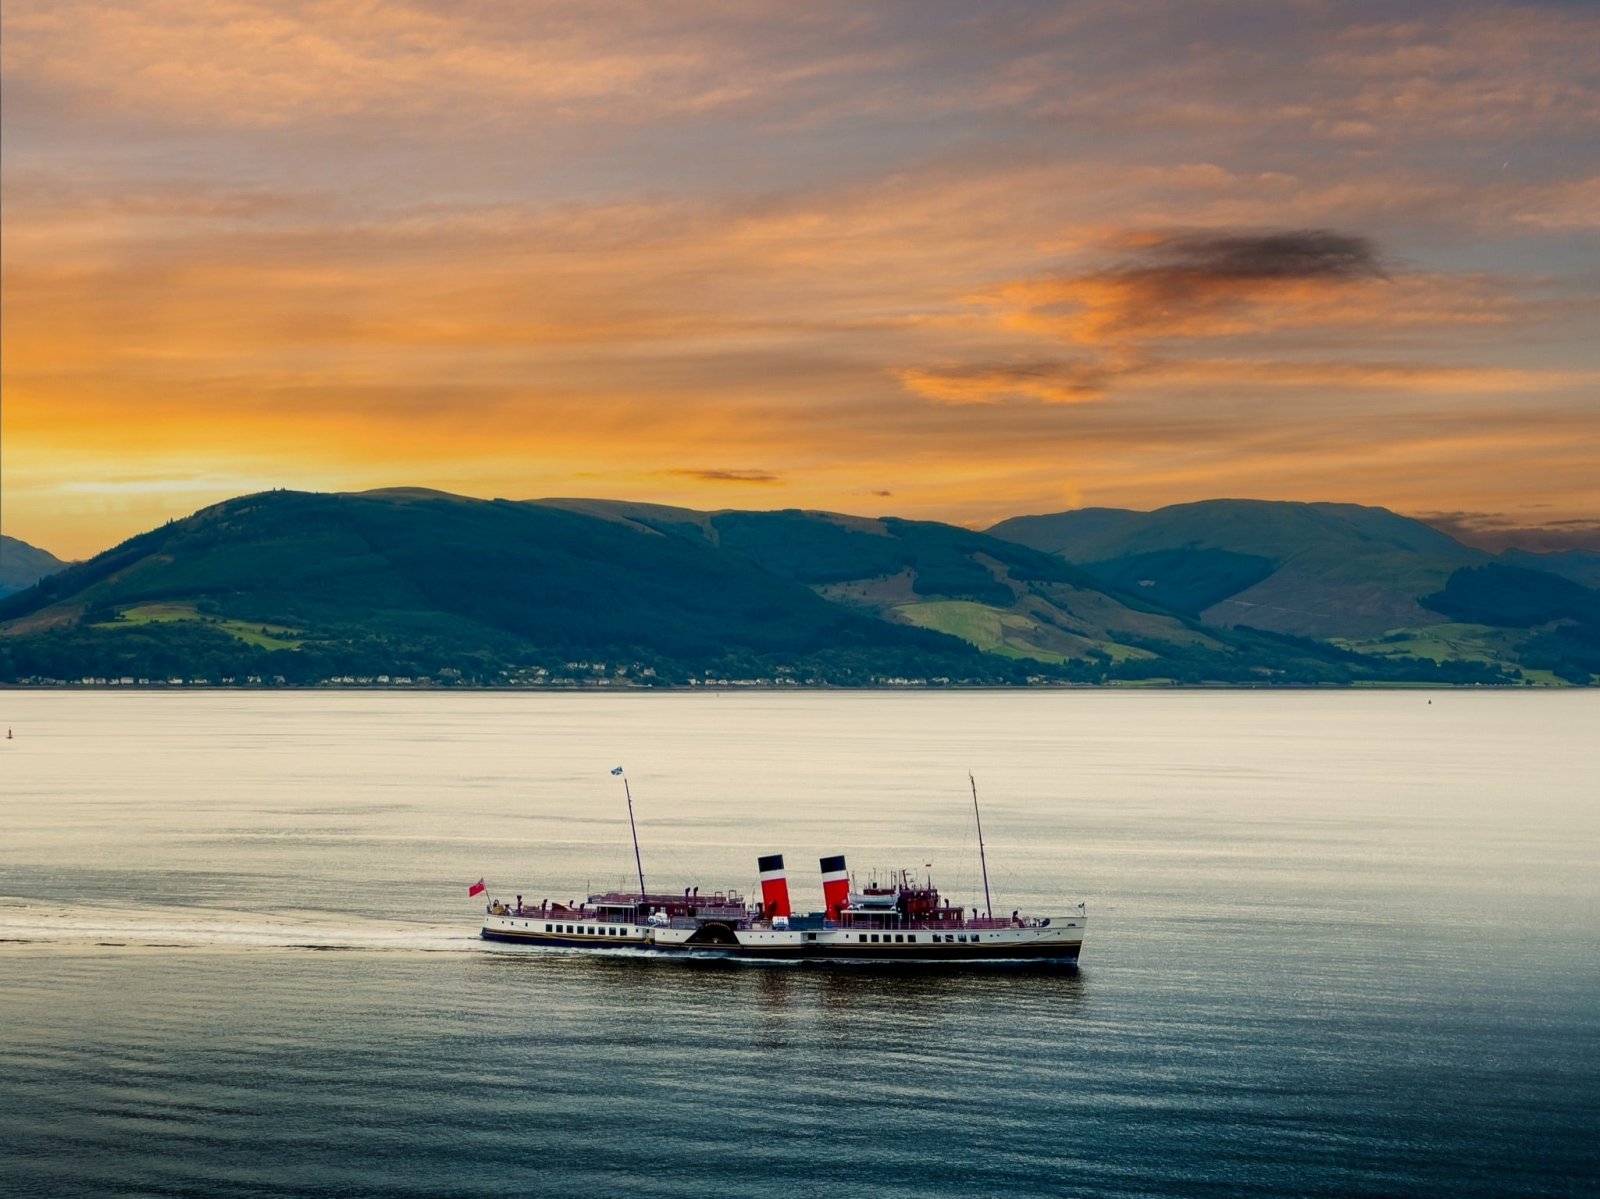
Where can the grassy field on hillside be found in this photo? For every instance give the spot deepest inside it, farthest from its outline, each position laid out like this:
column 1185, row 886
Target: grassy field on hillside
column 1010, row 634
column 990, row 629
column 265, row 636
column 1451, row 643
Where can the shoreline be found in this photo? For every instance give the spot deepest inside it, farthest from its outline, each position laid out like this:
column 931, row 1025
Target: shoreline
column 786, row 688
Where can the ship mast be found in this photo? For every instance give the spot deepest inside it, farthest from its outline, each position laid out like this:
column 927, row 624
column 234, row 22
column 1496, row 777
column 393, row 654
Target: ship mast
column 988, row 904
column 634, row 829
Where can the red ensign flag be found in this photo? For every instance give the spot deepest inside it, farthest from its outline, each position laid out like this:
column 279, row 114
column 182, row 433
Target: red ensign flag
column 477, row 888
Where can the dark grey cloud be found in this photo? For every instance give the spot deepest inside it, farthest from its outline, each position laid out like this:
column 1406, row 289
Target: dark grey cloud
column 1157, row 285
column 1256, row 255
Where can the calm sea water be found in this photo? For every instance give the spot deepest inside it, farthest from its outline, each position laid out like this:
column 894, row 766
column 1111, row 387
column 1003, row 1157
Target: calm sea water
column 1339, row 943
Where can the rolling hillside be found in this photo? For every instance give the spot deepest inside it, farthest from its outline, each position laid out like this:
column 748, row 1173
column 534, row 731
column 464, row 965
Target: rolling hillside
column 408, row 585
column 1065, row 533
column 22, row 565
column 1310, row 570
column 1581, row 566
column 1362, row 578
column 422, row 583
column 1001, row 597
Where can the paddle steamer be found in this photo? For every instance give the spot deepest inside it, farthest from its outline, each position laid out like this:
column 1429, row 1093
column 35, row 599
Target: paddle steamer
column 901, row 920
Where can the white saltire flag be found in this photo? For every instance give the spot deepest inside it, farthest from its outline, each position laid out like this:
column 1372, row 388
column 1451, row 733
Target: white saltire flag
column 616, row 770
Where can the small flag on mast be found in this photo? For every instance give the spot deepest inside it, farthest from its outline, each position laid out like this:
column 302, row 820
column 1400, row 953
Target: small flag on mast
column 616, row 770
column 477, row 888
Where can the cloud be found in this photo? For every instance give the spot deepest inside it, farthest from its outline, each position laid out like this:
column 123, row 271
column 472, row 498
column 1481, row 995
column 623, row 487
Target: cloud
column 1001, row 255
column 727, row 476
column 1562, row 206
column 1472, row 73
column 255, row 65
column 1194, row 284
column 1255, row 308
column 1495, row 531
column 1182, row 261
column 1050, row 381
column 1343, row 379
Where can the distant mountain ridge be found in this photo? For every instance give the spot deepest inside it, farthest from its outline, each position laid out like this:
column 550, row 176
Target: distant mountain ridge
column 1581, row 566
column 1358, row 576
column 1004, row 598
column 409, row 584
column 423, row 583
column 22, row 565
column 1312, row 570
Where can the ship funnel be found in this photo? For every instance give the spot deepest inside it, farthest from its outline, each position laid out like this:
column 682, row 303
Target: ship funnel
column 835, row 884
column 774, row 886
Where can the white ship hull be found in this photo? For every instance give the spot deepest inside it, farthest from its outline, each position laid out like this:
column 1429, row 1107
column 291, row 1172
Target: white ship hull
column 1060, row 938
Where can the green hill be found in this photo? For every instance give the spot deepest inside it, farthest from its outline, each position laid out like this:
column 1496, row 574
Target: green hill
column 1562, row 617
column 1364, row 579
column 422, row 583
column 403, row 585
column 1310, row 570
column 1581, row 566
column 1001, row 597
column 22, row 565
column 1064, row 533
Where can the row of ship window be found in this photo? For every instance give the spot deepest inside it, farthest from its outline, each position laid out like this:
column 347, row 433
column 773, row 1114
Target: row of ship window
column 951, row 938
column 863, row 938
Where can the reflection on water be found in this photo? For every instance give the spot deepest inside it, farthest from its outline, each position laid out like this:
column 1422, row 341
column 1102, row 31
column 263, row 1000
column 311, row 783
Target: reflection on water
column 814, row 995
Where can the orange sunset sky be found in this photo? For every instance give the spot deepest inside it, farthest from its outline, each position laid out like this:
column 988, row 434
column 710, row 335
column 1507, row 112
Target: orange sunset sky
column 954, row 261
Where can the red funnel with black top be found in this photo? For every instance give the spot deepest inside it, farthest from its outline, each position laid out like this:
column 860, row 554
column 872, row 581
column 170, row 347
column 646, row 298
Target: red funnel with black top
column 774, row 886
column 835, row 884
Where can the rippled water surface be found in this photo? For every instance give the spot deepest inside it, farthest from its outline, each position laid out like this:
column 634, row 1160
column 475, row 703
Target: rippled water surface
column 1339, row 943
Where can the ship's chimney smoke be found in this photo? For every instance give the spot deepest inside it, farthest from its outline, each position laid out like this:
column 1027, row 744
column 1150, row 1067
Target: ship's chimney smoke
column 835, row 884
column 774, row 885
